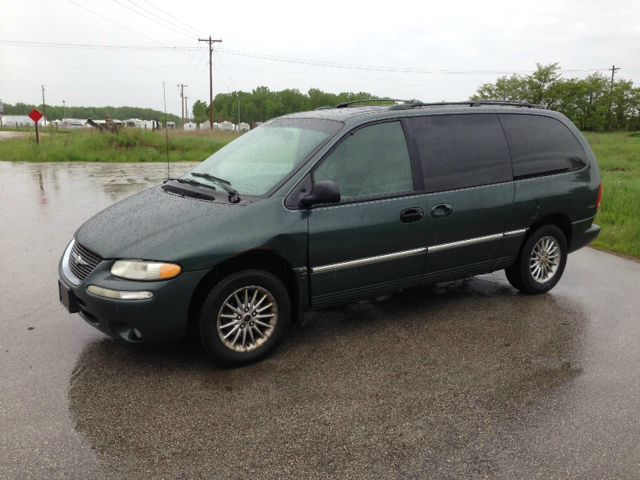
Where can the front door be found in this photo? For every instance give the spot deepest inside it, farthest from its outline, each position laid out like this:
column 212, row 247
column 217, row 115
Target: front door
column 373, row 241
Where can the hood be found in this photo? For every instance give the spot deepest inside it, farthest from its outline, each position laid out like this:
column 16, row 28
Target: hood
column 154, row 225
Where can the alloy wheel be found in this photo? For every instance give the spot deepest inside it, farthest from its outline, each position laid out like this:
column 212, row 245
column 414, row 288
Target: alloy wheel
column 545, row 259
column 247, row 318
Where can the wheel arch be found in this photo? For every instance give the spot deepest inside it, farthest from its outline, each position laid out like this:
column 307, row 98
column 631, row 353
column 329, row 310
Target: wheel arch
column 559, row 220
column 256, row 259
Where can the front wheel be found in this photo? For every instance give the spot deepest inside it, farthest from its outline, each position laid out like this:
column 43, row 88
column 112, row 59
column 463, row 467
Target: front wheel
column 244, row 317
column 541, row 261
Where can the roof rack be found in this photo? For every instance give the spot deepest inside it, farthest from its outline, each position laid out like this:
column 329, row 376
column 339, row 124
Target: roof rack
column 470, row 103
column 367, row 100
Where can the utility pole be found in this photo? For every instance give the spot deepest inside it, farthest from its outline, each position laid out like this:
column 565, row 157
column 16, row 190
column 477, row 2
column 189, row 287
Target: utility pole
column 613, row 70
column 64, row 110
column 44, row 107
column 210, row 41
column 182, row 85
column 186, row 109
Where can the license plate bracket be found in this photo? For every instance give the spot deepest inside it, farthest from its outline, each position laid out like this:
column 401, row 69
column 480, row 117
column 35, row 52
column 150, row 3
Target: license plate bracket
column 67, row 298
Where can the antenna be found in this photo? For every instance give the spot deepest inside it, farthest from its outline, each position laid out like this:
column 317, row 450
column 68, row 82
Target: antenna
column 166, row 128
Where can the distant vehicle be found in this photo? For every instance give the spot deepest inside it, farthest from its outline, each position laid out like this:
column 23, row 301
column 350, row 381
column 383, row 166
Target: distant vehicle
column 320, row 208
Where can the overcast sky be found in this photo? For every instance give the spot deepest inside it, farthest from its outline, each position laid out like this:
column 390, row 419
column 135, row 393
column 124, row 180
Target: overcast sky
column 454, row 45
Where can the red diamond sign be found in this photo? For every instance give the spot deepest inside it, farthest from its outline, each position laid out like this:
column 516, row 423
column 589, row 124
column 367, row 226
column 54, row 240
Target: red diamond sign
column 35, row 115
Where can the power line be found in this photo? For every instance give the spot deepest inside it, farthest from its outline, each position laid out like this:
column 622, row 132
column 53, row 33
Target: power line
column 379, row 68
column 165, row 25
column 92, row 46
column 293, row 60
column 174, row 17
column 93, row 12
column 86, row 67
column 171, row 21
column 199, row 66
column 224, row 69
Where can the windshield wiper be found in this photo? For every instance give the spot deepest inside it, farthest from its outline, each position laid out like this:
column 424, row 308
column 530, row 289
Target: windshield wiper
column 194, row 183
column 234, row 196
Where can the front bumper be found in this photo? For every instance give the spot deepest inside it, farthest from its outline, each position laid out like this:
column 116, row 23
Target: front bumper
column 162, row 317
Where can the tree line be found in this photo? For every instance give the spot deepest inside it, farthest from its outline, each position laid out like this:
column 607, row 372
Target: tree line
column 262, row 104
column 57, row 112
column 592, row 103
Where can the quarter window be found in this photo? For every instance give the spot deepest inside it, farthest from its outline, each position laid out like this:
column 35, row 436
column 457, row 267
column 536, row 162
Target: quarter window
column 460, row 151
column 371, row 161
column 541, row 145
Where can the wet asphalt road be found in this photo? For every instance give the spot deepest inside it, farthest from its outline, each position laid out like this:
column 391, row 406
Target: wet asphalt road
column 461, row 380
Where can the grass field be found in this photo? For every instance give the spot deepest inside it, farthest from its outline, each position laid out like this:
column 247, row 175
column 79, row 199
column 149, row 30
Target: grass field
column 618, row 155
column 619, row 158
column 131, row 145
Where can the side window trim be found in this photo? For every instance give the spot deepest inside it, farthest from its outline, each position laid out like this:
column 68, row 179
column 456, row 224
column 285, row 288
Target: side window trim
column 417, row 189
column 506, row 140
column 414, row 155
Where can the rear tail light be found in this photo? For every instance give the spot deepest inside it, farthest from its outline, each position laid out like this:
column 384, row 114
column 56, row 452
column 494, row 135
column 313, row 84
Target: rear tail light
column 599, row 200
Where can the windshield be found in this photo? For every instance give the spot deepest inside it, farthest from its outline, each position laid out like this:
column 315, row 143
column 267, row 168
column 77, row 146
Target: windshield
column 254, row 163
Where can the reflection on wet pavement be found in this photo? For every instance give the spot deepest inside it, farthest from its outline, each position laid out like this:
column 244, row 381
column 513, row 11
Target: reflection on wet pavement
column 399, row 384
column 461, row 380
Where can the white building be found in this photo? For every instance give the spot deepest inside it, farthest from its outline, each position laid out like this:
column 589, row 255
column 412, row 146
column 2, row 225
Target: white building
column 190, row 126
column 73, row 123
column 226, row 126
column 18, row 121
column 137, row 123
column 243, row 127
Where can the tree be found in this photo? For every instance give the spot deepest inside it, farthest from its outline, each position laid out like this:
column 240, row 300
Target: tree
column 200, row 111
column 591, row 103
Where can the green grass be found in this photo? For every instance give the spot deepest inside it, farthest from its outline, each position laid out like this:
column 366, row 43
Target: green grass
column 618, row 155
column 130, row 145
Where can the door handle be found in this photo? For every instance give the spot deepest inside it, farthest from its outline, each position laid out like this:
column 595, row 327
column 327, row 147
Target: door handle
column 411, row 215
column 441, row 210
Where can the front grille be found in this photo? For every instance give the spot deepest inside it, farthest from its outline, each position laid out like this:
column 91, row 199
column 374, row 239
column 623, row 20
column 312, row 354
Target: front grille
column 82, row 261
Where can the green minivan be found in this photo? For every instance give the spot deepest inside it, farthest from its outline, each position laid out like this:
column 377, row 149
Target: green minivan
column 320, row 208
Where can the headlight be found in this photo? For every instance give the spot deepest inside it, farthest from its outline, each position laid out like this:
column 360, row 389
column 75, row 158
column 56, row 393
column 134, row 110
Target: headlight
column 139, row 270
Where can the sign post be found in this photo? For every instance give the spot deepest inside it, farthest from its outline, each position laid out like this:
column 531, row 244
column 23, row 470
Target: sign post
column 36, row 115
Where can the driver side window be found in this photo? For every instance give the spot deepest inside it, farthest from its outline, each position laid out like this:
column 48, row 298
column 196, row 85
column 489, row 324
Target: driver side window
column 372, row 161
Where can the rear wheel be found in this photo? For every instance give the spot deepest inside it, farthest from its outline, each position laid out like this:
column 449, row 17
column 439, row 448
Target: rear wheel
column 244, row 317
column 541, row 262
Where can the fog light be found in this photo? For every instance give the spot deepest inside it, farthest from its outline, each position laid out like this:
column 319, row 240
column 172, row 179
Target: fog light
column 118, row 294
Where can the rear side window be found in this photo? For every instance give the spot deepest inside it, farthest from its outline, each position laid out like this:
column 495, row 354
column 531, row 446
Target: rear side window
column 460, row 151
column 541, row 146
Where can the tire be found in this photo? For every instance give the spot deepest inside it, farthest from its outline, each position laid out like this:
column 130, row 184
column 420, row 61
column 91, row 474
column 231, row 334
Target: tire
column 244, row 317
column 541, row 261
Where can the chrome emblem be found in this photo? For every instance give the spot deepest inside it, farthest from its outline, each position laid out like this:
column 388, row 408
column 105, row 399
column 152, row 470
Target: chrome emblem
column 79, row 260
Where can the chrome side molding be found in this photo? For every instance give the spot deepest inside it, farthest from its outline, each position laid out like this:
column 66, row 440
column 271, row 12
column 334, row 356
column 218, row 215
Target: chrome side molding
column 368, row 260
column 415, row 251
column 475, row 240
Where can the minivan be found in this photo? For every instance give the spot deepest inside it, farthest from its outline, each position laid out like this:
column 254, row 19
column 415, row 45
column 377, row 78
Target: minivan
column 320, row 208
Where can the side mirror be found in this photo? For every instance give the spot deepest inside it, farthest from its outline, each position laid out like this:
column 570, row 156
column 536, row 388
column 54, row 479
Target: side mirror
column 323, row 191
